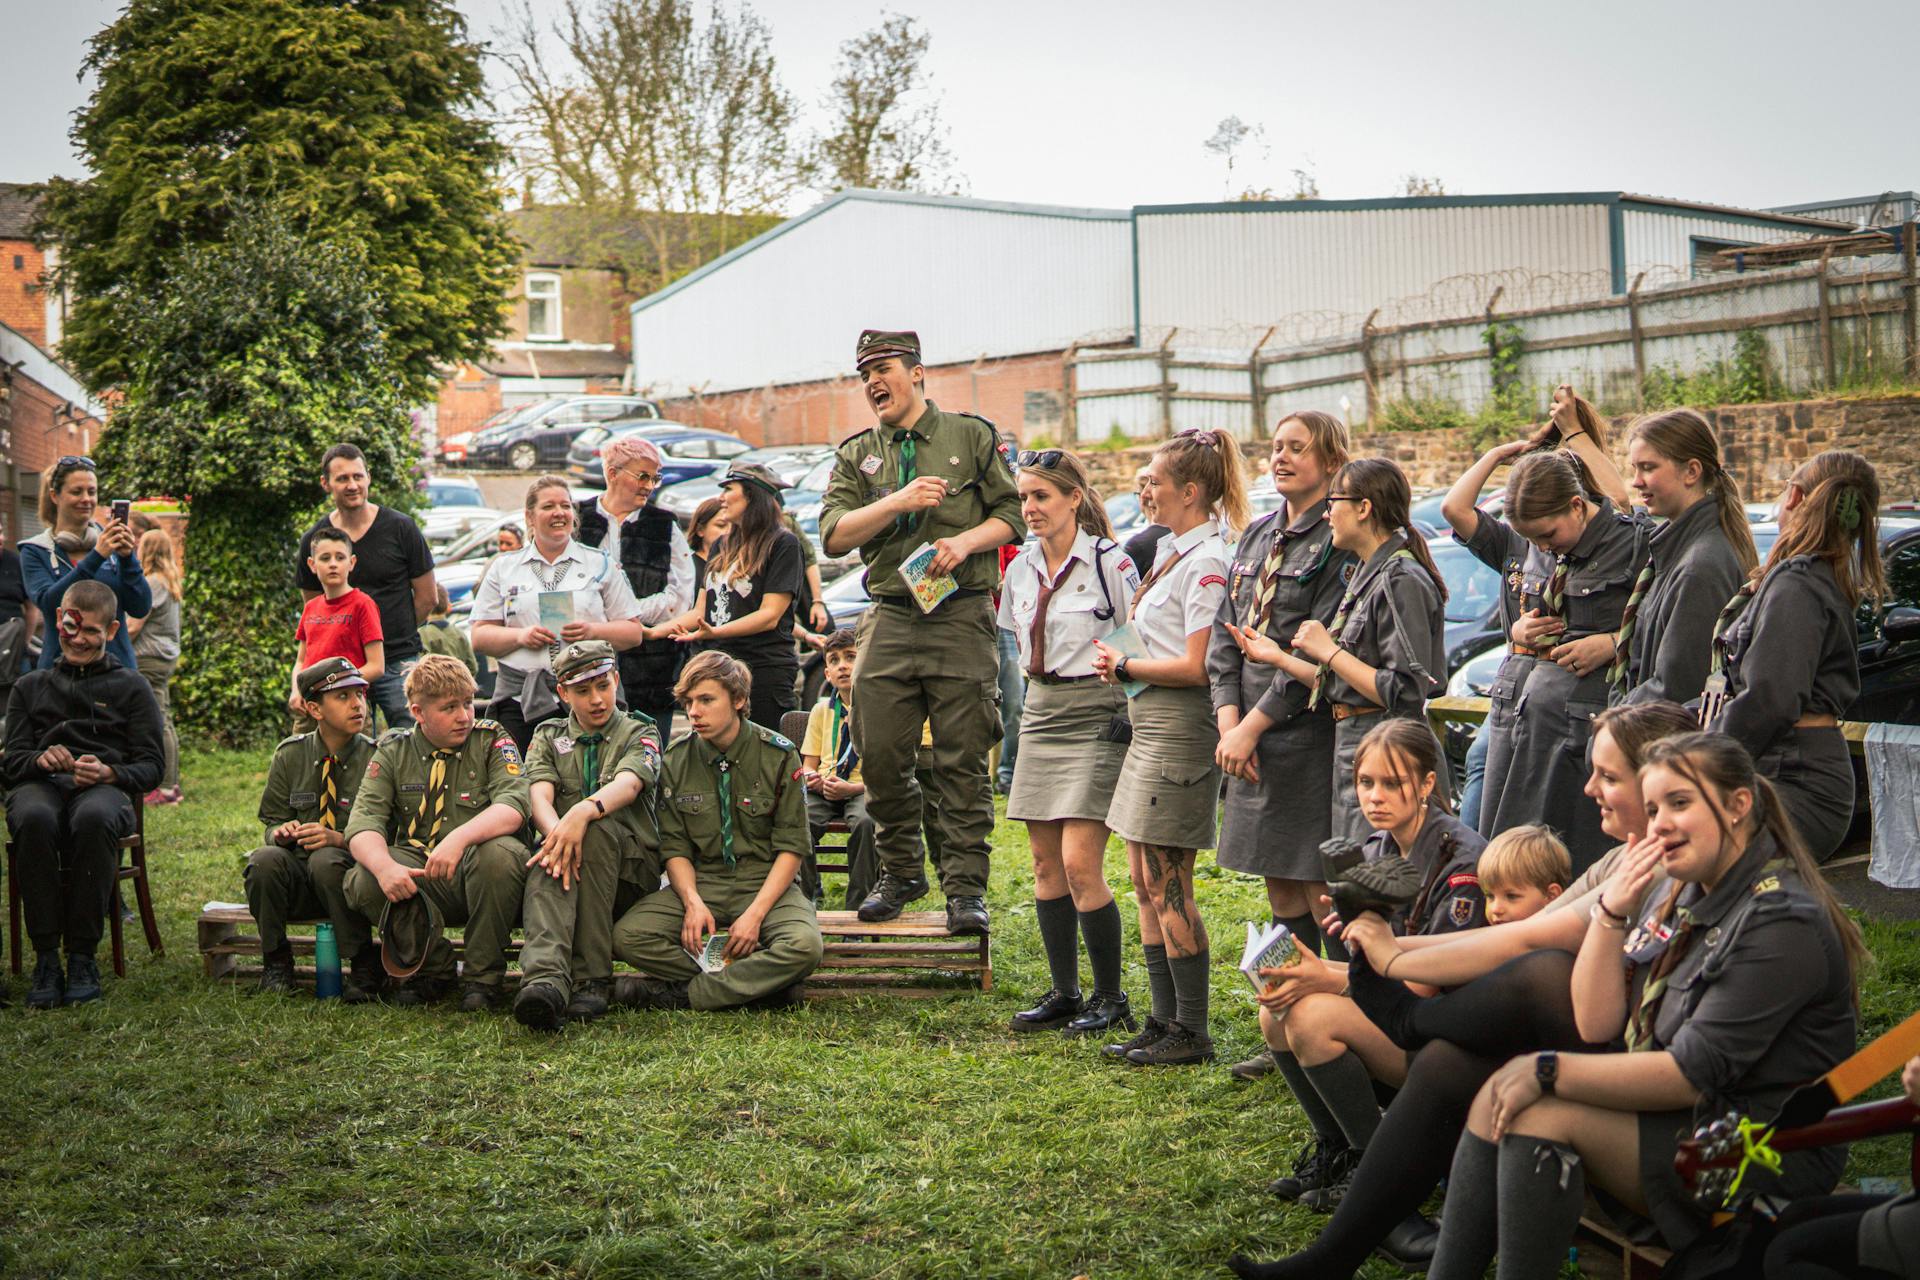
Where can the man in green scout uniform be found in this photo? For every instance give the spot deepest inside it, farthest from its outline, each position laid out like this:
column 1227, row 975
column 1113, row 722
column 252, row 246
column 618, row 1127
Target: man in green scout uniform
column 733, row 820
column 299, row 872
column 595, row 764
column 924, row 476
column 439, row 813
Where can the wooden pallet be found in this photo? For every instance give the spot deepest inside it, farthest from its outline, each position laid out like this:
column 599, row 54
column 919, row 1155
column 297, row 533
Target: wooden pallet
column 912, row 955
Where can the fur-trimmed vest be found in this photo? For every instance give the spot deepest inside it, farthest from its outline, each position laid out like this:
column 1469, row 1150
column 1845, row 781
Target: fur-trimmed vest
column 646, row 554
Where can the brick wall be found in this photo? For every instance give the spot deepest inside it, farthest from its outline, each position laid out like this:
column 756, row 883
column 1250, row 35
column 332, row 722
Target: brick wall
column 32, row 436
column 23, row 302
column 1021, row 394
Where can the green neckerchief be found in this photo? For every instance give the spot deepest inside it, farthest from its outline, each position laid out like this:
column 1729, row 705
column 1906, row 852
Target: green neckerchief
column 904, row 437
column 724, row 768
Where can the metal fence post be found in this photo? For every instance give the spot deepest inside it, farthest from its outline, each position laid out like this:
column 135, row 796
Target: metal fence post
column 1366, row 364
column 1826, row 323
column 1166, row 382
column 1070, row 393
column 1259, row 387
column 1639, row 346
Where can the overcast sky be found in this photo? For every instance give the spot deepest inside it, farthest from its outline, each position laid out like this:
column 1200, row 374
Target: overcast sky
column 1107, row 104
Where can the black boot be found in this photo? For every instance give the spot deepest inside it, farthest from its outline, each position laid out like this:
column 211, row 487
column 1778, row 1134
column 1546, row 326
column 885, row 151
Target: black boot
column 650, row 993
column 83, row 978
column 366, row 979
column 966, row 915
column 1314, row 1167
column 539, row 1007
column 890, row 897
column 1180, row 1047
column 276, row 971
column 1104, row 1014
column 477, row 998
column 1055, row 1010
column 49, row 987
column 1150, row 1034
column 589, row 1000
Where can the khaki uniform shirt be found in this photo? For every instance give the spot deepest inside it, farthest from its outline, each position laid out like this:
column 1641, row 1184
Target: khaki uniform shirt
column 769, row 804
column 632, row 746
column 294, row 788
column 485, row 770
column 959, row 448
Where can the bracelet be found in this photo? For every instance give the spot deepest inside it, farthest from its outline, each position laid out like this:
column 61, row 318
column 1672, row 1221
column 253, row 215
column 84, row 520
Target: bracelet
column 1606, row 919
column 1388, row 971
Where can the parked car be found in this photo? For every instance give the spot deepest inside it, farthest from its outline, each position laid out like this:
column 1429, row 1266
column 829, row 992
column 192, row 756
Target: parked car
column 541, row 435
column 454, row 505
column 688, row 453
column 790, row 462
column 454, row 448
column 1124, row 514
column 458, row 565
column 803, row 503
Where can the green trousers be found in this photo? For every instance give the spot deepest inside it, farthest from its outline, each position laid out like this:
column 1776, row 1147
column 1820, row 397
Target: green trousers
column 290, row 884
column 484, row 895
column 569, row 931
column 941, row 668
column 648, row 938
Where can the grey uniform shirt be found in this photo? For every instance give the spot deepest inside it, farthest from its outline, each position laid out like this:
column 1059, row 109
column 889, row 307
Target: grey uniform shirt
column 1792, row 652
column 1447, row 852
column 1695, row 574
column 1309, row 585
column 1395, row 626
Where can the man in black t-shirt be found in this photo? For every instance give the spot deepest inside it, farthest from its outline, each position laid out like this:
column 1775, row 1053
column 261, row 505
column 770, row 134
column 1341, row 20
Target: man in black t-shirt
column 391, row 564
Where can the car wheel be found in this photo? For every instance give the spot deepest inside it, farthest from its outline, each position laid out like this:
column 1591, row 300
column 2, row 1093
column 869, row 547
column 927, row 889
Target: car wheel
column 524, row 457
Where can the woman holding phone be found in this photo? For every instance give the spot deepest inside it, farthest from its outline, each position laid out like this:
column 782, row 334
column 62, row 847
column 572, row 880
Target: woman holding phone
column 74, row 546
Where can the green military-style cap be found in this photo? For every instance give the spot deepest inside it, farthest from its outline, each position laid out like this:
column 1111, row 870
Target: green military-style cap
column 878, row 344
column 583, row 660
column 754, row 473
column 326, row 675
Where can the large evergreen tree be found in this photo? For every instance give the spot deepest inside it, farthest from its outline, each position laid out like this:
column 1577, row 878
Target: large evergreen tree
column 357, row 118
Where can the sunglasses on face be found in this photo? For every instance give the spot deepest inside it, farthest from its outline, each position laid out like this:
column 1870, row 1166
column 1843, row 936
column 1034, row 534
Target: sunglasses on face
column 1046, row 459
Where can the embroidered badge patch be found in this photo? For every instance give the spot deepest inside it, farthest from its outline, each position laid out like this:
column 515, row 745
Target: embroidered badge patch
column 563, row 744
column 870, row 465
column 1462, row 910
column 373, row 770
column 1213, row 580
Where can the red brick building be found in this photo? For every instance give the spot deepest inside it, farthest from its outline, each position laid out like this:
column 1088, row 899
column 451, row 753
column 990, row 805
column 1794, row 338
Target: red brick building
column 27, row 305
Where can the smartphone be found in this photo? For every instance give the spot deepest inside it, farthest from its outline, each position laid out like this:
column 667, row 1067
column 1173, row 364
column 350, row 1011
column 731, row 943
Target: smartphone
column 122, row 509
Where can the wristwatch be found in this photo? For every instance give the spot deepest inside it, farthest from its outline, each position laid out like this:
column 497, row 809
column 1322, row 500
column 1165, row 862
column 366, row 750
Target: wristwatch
column 1120, row 669
column 1546, row 1069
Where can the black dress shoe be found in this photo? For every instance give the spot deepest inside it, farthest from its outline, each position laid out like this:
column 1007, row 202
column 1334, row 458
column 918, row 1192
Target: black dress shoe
column 1410, row 1245
column 418, row 992
column 967, row 915
column 83, row 979
column 49, row 985
column 589, row 1000
column 1180, row 1047
column 539, row 1007
column 1056, row 1009
column 1104, row 1014
column 476, row 998
column 890, row 897
column 1150, row 1033
column 276, row 972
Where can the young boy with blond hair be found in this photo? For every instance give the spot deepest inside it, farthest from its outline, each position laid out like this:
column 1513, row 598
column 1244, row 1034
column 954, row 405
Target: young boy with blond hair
column 1521, row 871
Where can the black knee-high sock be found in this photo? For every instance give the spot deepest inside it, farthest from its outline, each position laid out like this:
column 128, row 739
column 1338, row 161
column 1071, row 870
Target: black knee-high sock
column 1159, row 982
column 1190, row 980
column 1347, row 1089
column 1543, row 1187
column 1326, row 1125
column 1061, row 939
column 1304, row 928
column 1101, row 930
column 1469, row 1230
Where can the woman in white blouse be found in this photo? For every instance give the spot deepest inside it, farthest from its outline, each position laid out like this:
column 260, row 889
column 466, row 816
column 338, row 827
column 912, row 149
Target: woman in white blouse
column 587, row 598
column 1169, row 787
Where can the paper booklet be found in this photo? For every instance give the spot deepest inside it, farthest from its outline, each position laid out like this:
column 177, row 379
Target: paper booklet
column 712, row 957
column 556, row 610
column 1128, row 642
column 1270, row 948
column 928, row 590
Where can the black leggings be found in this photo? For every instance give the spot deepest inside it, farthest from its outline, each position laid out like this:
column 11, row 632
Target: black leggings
column 1819, row 1239
column 1523, row 1006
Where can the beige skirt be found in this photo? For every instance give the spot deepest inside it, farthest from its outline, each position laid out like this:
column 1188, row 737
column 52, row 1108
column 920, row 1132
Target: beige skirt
column 1067, row 767
column 1169, row 790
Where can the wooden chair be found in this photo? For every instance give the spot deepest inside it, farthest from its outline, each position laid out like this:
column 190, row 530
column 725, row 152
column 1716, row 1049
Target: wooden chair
column 135, row 870
column 826, row 857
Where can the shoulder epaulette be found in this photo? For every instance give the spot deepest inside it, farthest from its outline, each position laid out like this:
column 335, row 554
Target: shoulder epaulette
column 488, row 726
column 392, row 735
column 641, row 717
column 866, row 431
column 292, row 738
column 987, row 422
column 779, row 740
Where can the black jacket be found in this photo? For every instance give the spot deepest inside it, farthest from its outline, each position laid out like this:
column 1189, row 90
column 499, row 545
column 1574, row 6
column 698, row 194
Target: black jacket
column 102, row 710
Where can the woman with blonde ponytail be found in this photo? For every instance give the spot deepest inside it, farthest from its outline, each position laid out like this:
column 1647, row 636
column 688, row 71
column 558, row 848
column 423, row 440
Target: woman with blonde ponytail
column 1694, row 562
column 1785, row 661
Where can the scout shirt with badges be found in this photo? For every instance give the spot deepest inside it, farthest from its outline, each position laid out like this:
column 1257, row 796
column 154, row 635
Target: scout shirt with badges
column 305, row 783
column 1747, row 986
column 1183, row 593
column 958, row 448
column 577, row 763
column 510, row 594
column 398, row 798
column 1447, row 853
column 1083, row 604
column 1690, row 572
column 750, row 810
column 1542, row 775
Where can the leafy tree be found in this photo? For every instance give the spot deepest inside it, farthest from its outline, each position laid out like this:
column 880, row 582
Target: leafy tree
column 1415, row 184
column 251, row 358
column 883, row 137
column 357, row 118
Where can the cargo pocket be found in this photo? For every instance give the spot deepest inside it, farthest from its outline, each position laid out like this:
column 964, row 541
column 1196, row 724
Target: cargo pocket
column 990, row 711
column 1504, row 694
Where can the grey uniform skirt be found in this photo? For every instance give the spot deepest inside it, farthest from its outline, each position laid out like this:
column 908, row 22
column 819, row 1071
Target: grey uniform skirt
column 1169, row 788
column 1275, row 827
column 1813, row 772
column 1067, row 767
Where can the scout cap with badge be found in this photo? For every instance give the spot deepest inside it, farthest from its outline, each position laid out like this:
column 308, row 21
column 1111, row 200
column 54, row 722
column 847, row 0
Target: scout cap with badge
column 323, row 677
column 754, row 473
column 878, row 344
column 583, row 660
column 407, row 929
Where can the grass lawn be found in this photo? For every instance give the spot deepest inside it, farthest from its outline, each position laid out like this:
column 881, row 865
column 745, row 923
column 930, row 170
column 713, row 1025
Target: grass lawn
column 179, row 1127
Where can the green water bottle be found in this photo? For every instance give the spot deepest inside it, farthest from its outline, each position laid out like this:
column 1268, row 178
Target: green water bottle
column 326, row 963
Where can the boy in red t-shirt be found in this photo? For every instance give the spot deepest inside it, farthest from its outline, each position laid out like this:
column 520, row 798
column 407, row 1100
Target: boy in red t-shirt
column 340, row 622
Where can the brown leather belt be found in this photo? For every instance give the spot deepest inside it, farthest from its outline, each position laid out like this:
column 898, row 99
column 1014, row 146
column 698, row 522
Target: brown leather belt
column 1347, row 711
column 1050, row 678
column 1527, row 651
column 1816, row 722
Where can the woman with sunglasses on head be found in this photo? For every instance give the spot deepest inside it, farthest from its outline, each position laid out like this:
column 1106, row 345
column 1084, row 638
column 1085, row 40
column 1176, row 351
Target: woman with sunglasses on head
column 1169, row 786
column 1568, row 550
column 1272, row 749
column 745, row 607
column 73, row 547
column 1383, row 653
column 1060, row 594
column 1786, row 660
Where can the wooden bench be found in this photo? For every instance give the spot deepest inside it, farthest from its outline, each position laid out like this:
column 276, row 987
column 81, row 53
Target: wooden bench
column 913, row 955
column 1600, row 1241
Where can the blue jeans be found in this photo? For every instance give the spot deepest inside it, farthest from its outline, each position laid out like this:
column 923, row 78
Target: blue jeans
column 1476, row 776
column 1013, row 695
column 389, row 693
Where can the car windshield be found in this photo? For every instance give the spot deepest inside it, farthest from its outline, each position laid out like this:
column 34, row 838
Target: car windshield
column 1472, row 588
column 591, row 436
column 533, row 412
column 476, row 541
column 441, row 493
column 1123, row 509
column 816, row 479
